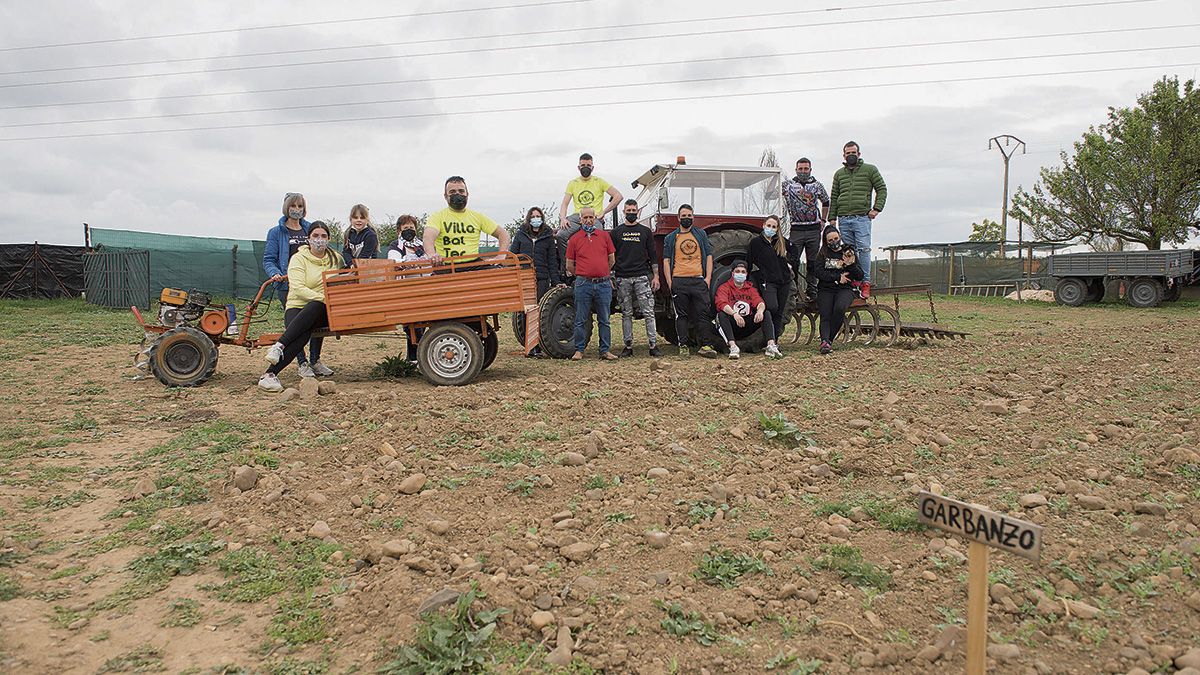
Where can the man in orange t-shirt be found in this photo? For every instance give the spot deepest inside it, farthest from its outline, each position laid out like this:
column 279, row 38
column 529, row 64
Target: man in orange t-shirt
column 688, row 261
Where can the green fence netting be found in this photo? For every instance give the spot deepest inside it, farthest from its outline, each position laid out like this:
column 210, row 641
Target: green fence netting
column 222, row 266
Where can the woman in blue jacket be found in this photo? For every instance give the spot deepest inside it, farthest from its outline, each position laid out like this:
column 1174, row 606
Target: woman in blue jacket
column 283, row 241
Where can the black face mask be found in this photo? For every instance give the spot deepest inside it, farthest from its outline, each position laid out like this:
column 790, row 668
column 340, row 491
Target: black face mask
column 585, row 171
column 851, row 160
column 458, row 201
column 408, row 235
column 685, row 222
column 835, row 247
column 631, row 218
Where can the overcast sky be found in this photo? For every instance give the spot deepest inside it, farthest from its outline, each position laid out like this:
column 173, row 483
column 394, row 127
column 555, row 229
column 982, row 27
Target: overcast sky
column 929, row 140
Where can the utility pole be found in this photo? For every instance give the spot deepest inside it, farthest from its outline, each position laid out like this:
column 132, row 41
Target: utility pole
column 1008, row 146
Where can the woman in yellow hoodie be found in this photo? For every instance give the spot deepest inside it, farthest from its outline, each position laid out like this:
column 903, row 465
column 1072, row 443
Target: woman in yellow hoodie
column 305, row 307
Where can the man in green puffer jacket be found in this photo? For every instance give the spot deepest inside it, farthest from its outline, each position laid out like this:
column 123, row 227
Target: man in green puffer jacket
column 852, row 206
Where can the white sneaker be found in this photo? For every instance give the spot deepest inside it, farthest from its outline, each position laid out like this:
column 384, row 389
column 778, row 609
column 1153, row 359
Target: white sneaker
column 734, row 352
column 321, row 369
column 306, row 370
column 772, row 352
column 270, row 382
column 274, row 353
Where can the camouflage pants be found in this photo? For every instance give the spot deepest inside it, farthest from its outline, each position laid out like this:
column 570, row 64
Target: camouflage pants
column 634, row 293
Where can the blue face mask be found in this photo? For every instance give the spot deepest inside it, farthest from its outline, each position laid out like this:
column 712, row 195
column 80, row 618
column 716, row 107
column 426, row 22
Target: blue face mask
column 589, row 228
column 535, row 222
column 739, row 277
column 769, row 232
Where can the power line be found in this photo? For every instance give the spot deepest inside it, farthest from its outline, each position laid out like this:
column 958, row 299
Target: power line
column 576, row 43
column 549, row 71
column 408, row 43
column 528, row 92
column 327, row 22
column 567, row 106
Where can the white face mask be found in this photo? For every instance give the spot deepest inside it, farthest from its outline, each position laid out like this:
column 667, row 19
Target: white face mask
column 768, row 232
column 318, row 245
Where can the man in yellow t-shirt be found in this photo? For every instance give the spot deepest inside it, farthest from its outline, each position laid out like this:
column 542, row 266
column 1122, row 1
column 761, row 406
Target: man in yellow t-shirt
column 456, row 230
column 585, row 192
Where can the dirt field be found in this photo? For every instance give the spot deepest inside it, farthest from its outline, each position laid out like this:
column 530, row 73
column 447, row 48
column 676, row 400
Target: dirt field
column 633, row 517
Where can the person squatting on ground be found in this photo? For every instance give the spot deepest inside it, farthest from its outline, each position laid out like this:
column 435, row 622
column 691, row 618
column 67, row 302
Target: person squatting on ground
column 457, row 230
column 735, row 301
column 853, row 208
column 283, row 241
column 408, row 248
column 687, row 256
column 305, row 307
column 837, row 269
column 590, row 257
column 535, row 240
column 808, row 210
column 587, row 191
column 769, row 253
column 362, row 242
column 636, row 272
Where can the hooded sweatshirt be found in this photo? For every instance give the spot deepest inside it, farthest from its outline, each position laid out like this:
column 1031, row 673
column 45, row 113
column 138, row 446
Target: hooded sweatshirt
column 305, row 283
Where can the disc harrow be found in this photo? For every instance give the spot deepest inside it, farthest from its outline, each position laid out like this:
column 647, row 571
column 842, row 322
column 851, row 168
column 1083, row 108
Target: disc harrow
column 873, row 323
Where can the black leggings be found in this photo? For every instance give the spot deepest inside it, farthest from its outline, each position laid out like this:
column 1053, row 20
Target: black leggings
column 833, row 305
column 727, row 324
column 300, row 326
column 776, row 296
column 694, row 308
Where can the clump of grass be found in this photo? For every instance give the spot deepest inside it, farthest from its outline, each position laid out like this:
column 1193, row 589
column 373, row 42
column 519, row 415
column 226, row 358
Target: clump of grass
column 720, row 567
column 759, row 534
column 508, row 458
column 523, row 486
column 777, row 428
column 453, row 641
column 299, row 620
column 848, row 562
column 600, row 482
column 183, row 613
column 683, row 624
column 144, row 659
column 395, row 367
column 9, row 588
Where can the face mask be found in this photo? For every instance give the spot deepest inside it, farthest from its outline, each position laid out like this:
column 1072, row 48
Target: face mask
column 631, row 218
column 739, row 277
column 535, row 222
column 408, row 235
column 585, row 171
column 458, row 202
column 851, row 160
column 803, row 177
column 295, row 214
column 835, row 246
column 769, row 232
column 589, row 228
column 318, row 245
column 685, row 222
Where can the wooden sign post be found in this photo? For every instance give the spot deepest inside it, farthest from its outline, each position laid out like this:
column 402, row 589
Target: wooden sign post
column 983, row 528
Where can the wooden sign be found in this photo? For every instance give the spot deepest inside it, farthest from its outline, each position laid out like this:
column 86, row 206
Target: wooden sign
column 981, row 525
column 983, row 528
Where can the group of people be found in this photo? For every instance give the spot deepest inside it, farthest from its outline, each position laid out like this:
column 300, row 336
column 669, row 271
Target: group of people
column 830, row 228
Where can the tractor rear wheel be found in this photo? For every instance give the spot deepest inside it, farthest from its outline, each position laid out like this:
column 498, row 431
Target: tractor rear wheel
column 450, row 354
column 1071, row 291
column 183, row 357
column 557, row 323
column 1144, row 292
column 731, row 245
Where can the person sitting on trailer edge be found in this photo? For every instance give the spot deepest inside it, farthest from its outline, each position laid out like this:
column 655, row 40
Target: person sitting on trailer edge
column 408, row 248
column 305, row 306
column 456, row 230
column 736, row 300
column 590, row 257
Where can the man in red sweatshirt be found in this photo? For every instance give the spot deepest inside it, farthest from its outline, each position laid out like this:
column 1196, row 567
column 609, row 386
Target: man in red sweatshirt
column 736, row 300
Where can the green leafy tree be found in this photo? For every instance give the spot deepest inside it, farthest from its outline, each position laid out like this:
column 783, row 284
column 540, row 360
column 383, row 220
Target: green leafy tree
column 988, row 230
column 1134, row 179
column 551, row 218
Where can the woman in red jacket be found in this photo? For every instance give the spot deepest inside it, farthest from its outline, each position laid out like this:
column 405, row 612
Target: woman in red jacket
column 736, row 300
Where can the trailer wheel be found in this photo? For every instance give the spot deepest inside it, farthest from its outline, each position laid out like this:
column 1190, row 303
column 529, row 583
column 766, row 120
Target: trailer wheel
column 183, row 357
column 491, row 347
column 518, row 327
column 1144, row 292
column 450, row 354
column 557, row 322
column 1172, row 294
column 1095, row 290
column 1071, row 291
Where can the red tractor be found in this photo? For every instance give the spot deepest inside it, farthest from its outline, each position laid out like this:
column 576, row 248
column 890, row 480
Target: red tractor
column 731, row 204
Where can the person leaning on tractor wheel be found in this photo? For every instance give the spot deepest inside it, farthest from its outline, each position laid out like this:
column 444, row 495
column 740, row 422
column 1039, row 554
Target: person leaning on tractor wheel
column 769, row 253
column 837, row 269
column 283, row 241
column 688, row 259
column 736, row 300
column 852, row 207
column 590, row 258
column 305, row 306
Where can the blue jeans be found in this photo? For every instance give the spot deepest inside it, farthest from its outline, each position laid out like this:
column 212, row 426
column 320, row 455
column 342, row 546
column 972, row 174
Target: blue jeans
column 592, row 296
column 856, row 232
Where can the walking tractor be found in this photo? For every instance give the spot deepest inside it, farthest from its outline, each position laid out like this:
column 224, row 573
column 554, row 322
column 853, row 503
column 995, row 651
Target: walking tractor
column 457, row 303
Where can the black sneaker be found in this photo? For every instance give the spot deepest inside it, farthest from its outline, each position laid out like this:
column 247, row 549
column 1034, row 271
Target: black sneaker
column 626, row 353
column 655, row 352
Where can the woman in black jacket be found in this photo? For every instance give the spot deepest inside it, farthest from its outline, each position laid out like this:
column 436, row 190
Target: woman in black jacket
column 768, row 252
column 836, row 267
column 536, row 240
